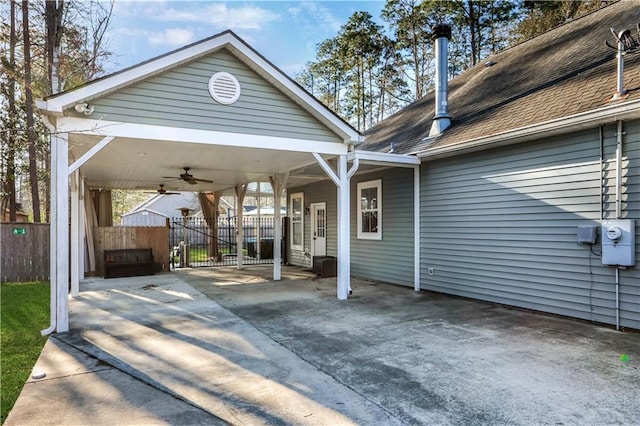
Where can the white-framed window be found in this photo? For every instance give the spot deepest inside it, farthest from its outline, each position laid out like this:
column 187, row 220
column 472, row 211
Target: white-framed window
column 296, row 213
column 370, row 210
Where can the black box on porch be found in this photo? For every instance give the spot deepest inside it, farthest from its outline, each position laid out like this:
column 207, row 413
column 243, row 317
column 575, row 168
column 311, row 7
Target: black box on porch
column 325, row 266
column 128, row 262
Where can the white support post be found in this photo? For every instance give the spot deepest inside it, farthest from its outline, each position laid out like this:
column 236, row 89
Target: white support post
column 53, row 241
column 75, row 233
column 90, row 221
column 278, row 183
column 342, row 179
column 257, row 243
column 61, row 225
column 344, row 238
column 241, row 190
column 416, row 228
column 82, row 232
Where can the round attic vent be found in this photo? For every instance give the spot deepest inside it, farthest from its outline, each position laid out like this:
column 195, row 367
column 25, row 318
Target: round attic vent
column 224, row 88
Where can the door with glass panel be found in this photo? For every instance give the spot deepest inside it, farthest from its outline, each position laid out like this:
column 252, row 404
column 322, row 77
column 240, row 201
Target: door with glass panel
column 318, row 227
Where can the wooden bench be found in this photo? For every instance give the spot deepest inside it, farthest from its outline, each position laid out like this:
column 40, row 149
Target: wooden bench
column 128, row 262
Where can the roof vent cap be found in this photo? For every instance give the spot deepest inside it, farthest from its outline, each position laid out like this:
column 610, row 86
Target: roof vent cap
column 625, row 43
column 224, row 88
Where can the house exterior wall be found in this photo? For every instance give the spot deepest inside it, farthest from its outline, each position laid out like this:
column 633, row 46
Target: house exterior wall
column 180, row 98
column 144, row 218
column 388, row 260
column 323, row 192
column 500, row 225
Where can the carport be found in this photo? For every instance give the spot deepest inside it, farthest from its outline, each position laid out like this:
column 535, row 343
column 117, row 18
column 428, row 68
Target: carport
column 217, row 107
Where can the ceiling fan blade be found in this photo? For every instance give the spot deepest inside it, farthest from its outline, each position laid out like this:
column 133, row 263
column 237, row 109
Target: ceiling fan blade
column 188, row 177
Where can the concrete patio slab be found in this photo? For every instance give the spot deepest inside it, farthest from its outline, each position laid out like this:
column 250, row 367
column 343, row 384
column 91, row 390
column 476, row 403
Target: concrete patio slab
column 428, row 358
column 222, row 345
column 169, row 335
column 80, row 389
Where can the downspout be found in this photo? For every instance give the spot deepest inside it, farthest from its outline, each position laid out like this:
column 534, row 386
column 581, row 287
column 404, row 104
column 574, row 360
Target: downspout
column 618, row 210
column 619, row 170
column 353, row 169
column 601, row 173
column 416, row 228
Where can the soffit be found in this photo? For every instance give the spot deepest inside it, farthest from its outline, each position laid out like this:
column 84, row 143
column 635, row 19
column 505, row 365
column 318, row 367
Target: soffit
column 137, row 164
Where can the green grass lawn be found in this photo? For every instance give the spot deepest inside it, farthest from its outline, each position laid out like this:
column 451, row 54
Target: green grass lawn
column 24, row 311
column 201, row 254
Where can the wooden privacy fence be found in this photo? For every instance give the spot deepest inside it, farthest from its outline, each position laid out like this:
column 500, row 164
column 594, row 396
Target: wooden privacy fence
column 24, row 252
column 129, row 237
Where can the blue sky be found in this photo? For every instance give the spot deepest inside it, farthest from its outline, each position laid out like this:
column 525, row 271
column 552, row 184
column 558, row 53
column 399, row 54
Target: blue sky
column 285, row 32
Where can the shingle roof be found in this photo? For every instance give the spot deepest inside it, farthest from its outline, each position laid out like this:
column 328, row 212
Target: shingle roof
column 566, row 71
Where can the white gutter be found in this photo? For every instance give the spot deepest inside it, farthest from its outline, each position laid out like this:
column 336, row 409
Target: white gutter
column 384, row 159
column 626, row 110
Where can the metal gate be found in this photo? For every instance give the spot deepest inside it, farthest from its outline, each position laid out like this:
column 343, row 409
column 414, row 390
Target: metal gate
column 193, row 244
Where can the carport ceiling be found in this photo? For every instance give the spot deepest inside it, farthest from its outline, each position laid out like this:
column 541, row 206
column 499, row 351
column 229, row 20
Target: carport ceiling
column 137, row 164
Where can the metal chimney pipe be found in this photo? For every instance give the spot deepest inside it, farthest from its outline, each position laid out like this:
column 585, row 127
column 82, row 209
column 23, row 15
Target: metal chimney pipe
column 620, row 92
column 441, row 36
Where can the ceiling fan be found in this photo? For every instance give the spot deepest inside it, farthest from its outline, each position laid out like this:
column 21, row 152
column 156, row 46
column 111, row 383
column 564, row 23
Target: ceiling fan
column 163, row 191
column 188, row 177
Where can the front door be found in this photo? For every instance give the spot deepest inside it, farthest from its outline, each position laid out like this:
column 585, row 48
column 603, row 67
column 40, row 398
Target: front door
column 318, row 229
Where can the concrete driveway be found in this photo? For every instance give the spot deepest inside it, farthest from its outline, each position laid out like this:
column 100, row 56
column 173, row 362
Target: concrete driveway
column 257, row 352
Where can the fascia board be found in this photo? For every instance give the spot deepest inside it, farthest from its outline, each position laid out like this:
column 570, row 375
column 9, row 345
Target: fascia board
column 382, row 158
column 209, row 137
column 608, row 114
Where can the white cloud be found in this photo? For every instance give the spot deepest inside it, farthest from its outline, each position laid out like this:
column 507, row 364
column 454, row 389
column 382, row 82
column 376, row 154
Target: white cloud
column 219, row 15
column 173, row 37
column 314, row 16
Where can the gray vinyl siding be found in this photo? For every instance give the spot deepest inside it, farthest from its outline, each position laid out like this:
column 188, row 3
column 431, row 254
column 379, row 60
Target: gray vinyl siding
column 144, row 218
column 180, row 98
column 501, row 225
column 387, row 260
column 323, row 192
column 390, row 259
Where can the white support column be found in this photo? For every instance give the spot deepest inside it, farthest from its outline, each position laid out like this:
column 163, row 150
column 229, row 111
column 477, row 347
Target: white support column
column 344, row 237
column 278, row 183
column 82, row 232
column 75, row 233
column 60, row 144
column 241, row 190
column 342, row 179
column 90, row 221
column 53, row 241
column 416, row 228
column 258, row 227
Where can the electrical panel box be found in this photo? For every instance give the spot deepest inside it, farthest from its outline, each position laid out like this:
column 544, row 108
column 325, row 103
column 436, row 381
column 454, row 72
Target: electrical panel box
column 619, row 242
column 587, row 234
